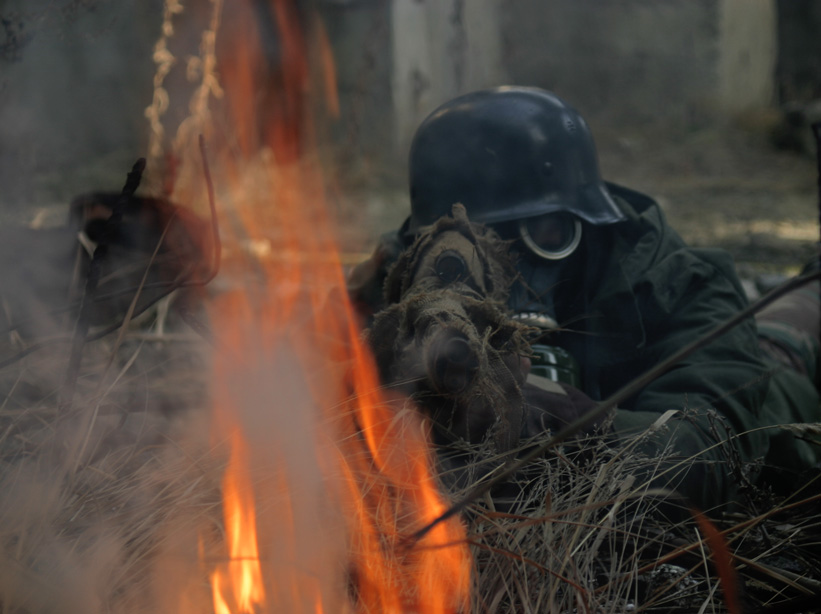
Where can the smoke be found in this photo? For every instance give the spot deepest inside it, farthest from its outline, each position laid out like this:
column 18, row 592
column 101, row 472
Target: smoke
column 93, row 496
column 302, row 534
column 46, row 568
column 111, row 502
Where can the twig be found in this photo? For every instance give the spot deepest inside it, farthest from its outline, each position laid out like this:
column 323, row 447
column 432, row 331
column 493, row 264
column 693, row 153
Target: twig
column 619, row 396
column 129, row 315
column 216, row 245
column 816, row 130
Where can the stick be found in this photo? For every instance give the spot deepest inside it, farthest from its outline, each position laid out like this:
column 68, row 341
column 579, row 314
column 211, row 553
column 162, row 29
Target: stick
column 216, row 254
column 816, row 130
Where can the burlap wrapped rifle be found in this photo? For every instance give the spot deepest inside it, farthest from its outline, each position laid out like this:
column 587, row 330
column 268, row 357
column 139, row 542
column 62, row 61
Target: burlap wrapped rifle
column 446, row 340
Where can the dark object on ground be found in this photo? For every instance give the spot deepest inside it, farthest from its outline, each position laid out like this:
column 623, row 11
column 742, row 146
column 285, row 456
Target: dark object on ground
column 45, row 272
column 794, row 130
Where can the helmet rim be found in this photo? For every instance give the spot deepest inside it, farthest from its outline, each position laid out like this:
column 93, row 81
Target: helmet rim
column 533, row 208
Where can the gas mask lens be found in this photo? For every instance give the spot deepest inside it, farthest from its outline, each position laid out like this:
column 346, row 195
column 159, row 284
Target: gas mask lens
column 552, row 236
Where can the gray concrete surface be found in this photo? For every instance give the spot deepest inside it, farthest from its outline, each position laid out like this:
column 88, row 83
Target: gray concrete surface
column 75, row 78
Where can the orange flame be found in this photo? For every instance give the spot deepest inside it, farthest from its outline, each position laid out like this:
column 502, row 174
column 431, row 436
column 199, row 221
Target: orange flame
column 327, row 477
column 243, row 571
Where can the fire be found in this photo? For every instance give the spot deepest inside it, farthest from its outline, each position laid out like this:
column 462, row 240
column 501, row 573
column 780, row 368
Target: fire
column 243, row 573
column 327, row 478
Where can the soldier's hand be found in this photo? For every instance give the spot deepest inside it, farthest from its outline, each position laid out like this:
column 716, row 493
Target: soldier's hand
column 551, row 406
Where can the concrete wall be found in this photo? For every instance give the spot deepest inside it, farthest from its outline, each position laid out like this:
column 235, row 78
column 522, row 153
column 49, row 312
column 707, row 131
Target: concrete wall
column 360, row 34
column 76, row 92
column 74, row 81
column 798, row 74
column 635, row 61
column 440, row 49
column 748, row 49
column 627, row 60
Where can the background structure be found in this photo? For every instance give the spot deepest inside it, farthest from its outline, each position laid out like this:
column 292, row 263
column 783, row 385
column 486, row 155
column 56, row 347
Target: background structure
column 683, row 96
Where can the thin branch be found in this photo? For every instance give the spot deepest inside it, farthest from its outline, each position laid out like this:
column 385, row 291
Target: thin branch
column 216, row 244
column 816, row 131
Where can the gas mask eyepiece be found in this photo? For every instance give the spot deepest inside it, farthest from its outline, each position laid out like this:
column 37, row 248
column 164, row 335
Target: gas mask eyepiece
column 552, row 236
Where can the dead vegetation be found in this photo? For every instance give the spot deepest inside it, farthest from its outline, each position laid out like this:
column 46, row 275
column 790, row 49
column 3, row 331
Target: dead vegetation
column 586, row 533
column 97, row 500
column 94, row 502
column 91, row 497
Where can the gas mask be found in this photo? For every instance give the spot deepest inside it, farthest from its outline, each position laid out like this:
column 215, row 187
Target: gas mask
column 546, row 268
column 546, row 243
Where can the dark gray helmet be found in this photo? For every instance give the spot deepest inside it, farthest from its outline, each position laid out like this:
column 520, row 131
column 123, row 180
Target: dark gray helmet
column 506, row 153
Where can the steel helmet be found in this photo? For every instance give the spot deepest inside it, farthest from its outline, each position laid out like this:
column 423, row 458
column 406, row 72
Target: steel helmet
column 506, row 153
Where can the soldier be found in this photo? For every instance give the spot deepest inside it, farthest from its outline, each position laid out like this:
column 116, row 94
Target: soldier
column 625, row 291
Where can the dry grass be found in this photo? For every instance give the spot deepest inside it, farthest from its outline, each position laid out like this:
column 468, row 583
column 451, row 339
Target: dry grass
column 586, row 532
column 94, row 497
column 93, row 503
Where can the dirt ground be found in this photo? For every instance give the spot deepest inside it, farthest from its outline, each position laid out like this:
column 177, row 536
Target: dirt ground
column 727, row 188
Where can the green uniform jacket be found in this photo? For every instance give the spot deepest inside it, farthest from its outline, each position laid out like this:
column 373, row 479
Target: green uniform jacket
column 646, row 295
column 656, row 295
